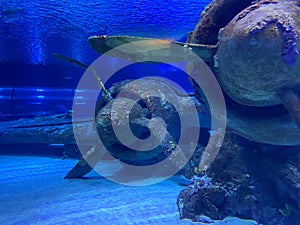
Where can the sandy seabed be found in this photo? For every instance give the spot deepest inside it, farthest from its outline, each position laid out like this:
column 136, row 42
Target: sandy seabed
column 33, row 191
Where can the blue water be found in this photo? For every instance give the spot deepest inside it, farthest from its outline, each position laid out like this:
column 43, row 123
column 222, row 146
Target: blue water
column 31, row 31
column 33, row 82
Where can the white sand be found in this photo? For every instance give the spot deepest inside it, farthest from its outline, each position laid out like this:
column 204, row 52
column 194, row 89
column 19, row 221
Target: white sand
column 33, row 191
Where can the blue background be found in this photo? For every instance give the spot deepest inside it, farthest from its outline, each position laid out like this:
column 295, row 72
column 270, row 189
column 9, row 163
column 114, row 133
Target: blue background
column 31, row 31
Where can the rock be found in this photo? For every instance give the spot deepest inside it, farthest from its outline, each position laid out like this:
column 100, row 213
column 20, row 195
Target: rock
column 247, row 180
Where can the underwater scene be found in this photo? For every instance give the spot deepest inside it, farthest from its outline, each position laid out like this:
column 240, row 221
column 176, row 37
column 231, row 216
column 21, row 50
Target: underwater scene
column 150, row 112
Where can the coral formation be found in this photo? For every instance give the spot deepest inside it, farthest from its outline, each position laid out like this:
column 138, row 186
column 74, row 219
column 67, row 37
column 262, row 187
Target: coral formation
column 289, row 35
column 254, row 5
column 214, row 17
column 247, row 180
